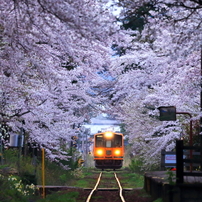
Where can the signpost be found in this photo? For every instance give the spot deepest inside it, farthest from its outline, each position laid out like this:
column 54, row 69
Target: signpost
column 168, row 113
column 170, row 158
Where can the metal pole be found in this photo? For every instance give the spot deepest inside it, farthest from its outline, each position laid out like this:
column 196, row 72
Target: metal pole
column 190, row 135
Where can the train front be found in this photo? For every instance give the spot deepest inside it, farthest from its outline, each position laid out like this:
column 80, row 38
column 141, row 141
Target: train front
column 108, row 150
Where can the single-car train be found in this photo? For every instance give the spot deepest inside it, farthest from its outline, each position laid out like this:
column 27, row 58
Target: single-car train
column 108, row 150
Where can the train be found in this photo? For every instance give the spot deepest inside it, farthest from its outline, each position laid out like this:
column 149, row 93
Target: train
column 108, row 150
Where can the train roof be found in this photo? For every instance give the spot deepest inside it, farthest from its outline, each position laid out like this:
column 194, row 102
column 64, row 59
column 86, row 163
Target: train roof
column 108, row 131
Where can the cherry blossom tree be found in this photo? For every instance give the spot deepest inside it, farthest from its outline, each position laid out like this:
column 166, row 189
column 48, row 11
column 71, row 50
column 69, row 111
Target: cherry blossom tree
column 160, row 66
column 58, row 65
column 51, row 52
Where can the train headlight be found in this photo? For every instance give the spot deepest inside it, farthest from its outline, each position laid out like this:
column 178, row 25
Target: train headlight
column 117, row 152
column 108, row 135
column 99, row 152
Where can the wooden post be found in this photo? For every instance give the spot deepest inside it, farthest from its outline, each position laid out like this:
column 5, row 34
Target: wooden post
column 179, row 161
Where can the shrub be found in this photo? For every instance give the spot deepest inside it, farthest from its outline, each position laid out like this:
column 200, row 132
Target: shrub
column 77, row 173
column 135, row 165
column 13, row 190
column 60, row 197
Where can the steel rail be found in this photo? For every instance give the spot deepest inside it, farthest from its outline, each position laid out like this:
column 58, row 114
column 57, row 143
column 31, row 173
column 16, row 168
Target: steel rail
column 91, row 193
column 120, row 188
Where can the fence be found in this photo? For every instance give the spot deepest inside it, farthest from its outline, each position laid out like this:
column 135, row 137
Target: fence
column 182, row 160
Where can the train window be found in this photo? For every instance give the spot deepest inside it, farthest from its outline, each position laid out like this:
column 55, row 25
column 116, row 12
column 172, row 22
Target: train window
column 118, row 141
column 108, row 143
column 99, row 142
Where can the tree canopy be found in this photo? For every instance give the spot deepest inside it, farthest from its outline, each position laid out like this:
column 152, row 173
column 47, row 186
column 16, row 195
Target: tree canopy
column 50, row 55
column 62, row 60
column 160, row 67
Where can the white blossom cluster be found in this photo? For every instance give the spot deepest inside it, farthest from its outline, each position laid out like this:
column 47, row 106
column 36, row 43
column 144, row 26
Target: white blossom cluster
column 161, row 67
column 17, row 184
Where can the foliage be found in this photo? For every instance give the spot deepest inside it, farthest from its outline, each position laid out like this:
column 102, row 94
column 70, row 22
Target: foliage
column 77, row 173
column 60, row 197
column 171, row 177
column 22, row 164
column 63, row 178
column 74, row 174
column 139, row 165
column 87, row 171
column 158, row 200
column 25, row 189
column 135, row 165
column 136, row 20
column 71, row 161
column 57, row 69
column 12, row 189
column 50, row 58
column 83, row 183
column 133, row 180
column 83, row 177
column 18, row 188
column 11, row 157
column 55, row 173
column 166, row 54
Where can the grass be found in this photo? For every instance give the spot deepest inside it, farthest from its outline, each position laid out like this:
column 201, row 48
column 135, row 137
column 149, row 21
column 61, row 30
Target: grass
column 135, row 165
column 28, row 171
column 134, row 180
column 128, row 179
column 83, row 183
column 85, row 180
column 56, row 175
column 60, row 197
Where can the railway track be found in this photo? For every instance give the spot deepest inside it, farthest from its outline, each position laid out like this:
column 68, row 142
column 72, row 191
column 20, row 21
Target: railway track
column 117, row 192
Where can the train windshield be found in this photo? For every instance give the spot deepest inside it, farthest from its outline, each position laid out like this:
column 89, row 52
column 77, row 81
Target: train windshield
column 100, row 141
column 117, row 140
